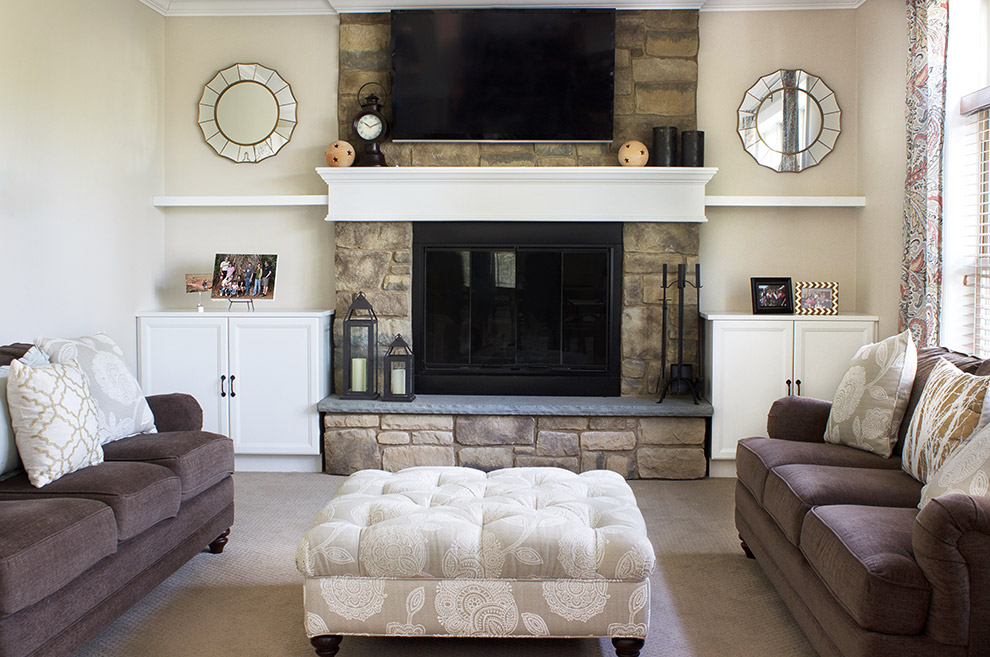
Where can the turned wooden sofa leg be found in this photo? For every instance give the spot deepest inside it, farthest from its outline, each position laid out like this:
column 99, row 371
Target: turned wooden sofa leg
column 326, row 645
column 749, row 553
column 219, row 543
column 626, row 647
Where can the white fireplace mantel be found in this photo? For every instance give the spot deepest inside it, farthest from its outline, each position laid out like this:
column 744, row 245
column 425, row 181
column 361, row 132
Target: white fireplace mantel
column 517, row 193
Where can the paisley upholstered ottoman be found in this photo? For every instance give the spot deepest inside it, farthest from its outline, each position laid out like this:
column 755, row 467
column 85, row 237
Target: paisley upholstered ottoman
column 446, row 551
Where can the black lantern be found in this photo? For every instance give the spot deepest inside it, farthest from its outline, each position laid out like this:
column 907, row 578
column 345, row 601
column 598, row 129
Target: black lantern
column 398, row 372
column 360, row 351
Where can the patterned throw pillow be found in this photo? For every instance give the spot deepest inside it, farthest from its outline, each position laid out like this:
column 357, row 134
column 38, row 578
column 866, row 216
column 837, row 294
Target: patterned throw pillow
column 873, row 395
column 9, row 459
column 54, row 420
column 967, row 471
column 953, row 406
column 120, row 404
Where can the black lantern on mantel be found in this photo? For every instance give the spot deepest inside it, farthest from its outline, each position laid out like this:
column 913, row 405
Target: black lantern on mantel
column 360, row 350
column 398, row 372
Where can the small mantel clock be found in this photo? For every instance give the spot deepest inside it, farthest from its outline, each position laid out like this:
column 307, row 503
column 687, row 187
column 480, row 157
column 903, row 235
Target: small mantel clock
column 371, row 127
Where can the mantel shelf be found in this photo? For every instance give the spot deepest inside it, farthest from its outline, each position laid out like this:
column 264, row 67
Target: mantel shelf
column 785, row 201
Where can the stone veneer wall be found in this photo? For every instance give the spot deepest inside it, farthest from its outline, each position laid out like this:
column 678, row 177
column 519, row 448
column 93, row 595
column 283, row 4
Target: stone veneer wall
column 635, row 447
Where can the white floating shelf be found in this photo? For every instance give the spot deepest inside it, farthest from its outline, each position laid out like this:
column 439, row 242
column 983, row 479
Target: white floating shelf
column 237, row 201
column 647, row 194
column 785, row 201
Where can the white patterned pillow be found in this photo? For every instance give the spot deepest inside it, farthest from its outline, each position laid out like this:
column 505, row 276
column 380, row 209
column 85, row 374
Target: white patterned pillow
column 54, row 420
column 873, row 396
column 120, row 404
column 953, row 406
column 9, row 459
column 967, row 471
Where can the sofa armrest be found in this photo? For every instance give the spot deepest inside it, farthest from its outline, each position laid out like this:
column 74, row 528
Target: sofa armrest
column 176, row 412
column 800, row 419
column 951, row 540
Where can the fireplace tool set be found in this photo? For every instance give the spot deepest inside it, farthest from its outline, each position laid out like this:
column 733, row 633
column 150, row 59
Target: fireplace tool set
column 681, row 379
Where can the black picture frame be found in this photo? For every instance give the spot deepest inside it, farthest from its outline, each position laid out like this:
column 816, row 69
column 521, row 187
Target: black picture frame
column 772, row 296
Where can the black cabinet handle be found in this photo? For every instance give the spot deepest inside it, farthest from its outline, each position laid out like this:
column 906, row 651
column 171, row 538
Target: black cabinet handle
column 232, row 393
column 223, row 378
column 789, row 384
column 798, row 382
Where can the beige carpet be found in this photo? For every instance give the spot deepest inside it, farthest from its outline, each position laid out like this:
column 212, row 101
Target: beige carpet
column 708, row 599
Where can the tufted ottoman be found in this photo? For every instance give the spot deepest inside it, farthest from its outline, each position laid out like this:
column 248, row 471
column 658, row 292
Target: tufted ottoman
column 447, row 551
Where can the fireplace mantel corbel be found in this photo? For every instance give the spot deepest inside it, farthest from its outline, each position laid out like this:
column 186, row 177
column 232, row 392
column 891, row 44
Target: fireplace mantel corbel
column 634, row 194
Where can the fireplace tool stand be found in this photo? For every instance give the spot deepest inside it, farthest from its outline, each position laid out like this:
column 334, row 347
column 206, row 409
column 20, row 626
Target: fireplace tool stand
column 681, row 379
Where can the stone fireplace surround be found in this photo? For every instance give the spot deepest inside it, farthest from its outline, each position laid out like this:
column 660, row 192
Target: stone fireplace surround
column 655, row 84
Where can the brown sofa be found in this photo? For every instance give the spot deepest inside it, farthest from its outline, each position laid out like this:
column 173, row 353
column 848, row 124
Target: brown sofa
column 77, row 553
column 838, row 533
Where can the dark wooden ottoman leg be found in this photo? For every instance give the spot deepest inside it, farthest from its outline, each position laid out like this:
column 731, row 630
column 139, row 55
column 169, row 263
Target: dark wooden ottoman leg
column 625, row 647
column 326, row 645
column 749, row 553
column 219, row 543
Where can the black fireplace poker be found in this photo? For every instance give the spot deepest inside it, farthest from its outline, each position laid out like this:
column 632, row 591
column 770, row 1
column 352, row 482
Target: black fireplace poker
column 681, row 379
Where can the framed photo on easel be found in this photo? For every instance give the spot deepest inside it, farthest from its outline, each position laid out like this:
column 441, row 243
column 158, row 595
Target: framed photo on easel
column 816, row 298
column 244, row 277
column 772, row 296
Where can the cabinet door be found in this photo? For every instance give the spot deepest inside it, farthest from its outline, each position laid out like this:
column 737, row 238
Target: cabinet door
column 274, row 367
column 180, row 354
column 751, row 363
column 822, row 350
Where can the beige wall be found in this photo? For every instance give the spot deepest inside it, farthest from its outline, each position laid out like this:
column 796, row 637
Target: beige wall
column 738, row 48
column 304, row 51
column 81, row 158
column 881, row 34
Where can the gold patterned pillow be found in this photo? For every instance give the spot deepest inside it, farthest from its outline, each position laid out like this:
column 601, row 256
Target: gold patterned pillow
column 873, row 396
column 953, row 406
column 54, row 420
column 967, row 471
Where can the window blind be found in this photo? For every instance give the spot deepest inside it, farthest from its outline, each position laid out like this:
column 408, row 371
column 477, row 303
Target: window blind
column 978, row 211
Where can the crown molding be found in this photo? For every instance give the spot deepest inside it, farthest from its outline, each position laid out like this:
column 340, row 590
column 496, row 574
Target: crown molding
column 320, row 7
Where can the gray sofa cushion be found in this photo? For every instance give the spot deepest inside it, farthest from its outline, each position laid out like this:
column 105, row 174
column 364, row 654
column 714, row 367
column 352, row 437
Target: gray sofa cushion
column 140, row 494
column 756, row 457
column 864, row 556
column 199, row 458
column 793, row 490
column 46, row 543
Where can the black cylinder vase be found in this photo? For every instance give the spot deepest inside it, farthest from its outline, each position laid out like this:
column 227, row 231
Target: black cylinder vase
column 665, row 146
column 693, row 148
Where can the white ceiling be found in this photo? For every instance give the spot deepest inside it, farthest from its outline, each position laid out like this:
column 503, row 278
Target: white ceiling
column 311, row 7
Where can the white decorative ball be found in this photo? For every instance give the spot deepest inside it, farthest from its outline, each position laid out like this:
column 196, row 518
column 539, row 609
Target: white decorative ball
column 340, row 154
column 633, row 154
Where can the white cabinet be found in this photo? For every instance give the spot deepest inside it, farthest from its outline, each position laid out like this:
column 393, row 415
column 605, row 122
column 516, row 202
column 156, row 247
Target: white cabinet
column 257, row 375
column 753, row 360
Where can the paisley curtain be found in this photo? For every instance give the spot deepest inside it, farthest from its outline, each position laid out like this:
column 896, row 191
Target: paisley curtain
column 921, row 269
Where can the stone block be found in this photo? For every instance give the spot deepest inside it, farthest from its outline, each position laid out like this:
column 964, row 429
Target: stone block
column 396, row 154
column 449, row 155
column 557, row 443
column 404, row 422
column 664, row 43
column 673, row 19
column 554, row 149
column 660, row 237
column 608, row 440
column 611, row 423
column 393, row 437
column 403, row 256
column 657, row 69
column 495, row 429
column 373, row 235
column 364, row 60
column 634, row 388
column 399, row 270
column 565, row 462
column 665, row 98
column 592, row 461
column 507, row 155
column 407, row 456
column 364, row 37
column 361, row 270
column 341, row 420
column 350, row 450
column 630, row 31
column 641, row 332
column 389, row 327
column 633, row 369
column 619, row 463
column 671, row 462
column 397, row 282
column 623, row 81
column 632, row 290
column 485, row 458
column 433, row 437
column 671, row 431
column 562, row 423
column 388, row 304
column 640, row 263
column 622, row 58
column 556, row 160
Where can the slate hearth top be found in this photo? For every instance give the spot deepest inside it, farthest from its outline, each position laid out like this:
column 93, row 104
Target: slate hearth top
column 497, row 405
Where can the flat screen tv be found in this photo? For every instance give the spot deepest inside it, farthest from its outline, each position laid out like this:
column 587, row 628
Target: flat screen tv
column 503, row 74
